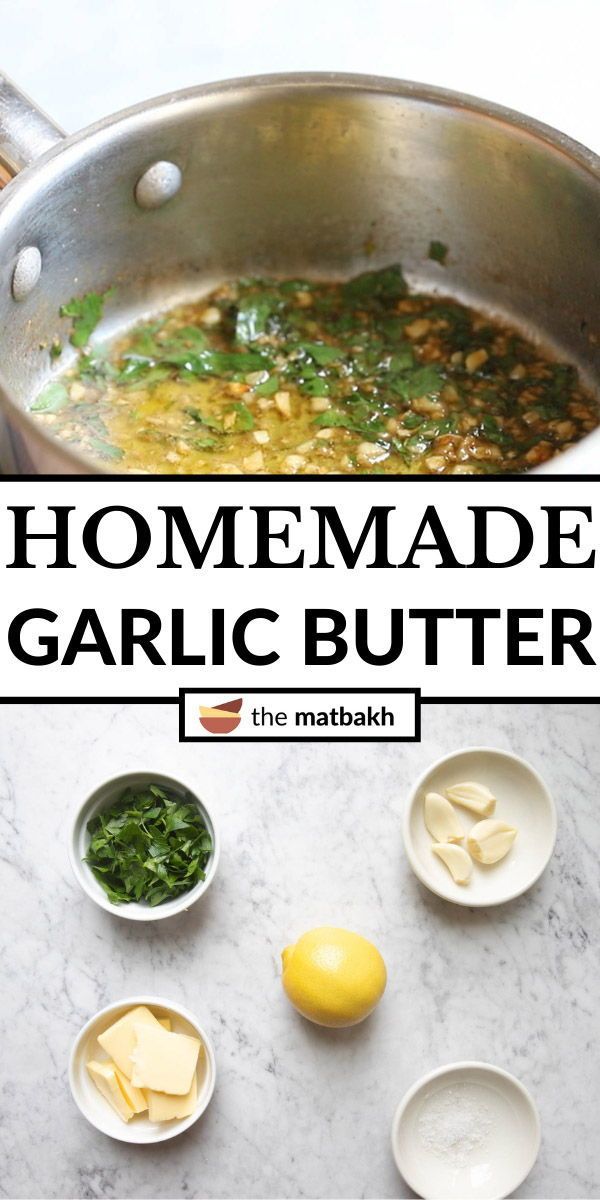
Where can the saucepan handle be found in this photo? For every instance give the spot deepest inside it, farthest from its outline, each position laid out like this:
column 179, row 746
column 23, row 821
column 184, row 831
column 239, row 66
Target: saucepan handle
column 25, row 131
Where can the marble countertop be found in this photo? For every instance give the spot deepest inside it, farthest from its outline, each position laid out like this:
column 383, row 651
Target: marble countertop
column 311, row 835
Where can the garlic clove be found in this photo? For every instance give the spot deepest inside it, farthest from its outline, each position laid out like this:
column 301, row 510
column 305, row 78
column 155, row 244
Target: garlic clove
column 456, row 859
column 441, row 820
column 474, row 796
column 489, row 841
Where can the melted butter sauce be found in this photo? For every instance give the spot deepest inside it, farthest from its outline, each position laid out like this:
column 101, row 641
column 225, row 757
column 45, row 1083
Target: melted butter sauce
column 271, row 377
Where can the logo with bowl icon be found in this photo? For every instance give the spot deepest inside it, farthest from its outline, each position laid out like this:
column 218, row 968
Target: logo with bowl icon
column 224, row 718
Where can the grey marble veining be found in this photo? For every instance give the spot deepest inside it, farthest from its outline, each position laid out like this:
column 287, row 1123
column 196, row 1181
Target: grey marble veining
column 311, row 835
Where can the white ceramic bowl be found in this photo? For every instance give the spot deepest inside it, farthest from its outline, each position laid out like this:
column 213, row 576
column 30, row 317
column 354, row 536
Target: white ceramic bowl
column 140, row 1130
column 102, row 797
column 523, row 800
column 504, row 1133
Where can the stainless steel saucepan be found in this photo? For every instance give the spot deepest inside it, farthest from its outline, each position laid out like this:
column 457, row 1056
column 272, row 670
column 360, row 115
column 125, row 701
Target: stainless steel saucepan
column 315, row 175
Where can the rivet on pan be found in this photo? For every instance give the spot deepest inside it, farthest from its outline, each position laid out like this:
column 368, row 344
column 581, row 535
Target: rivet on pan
column 158, row 184
column 27, row 271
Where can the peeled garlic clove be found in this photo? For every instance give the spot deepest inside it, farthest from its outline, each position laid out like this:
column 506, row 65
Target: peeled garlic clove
column 474, row 796
column 456, row 859
column 489, row 841
column 441, row 820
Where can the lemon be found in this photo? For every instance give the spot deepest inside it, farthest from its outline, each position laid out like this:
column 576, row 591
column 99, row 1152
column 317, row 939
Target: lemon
column 333, row 977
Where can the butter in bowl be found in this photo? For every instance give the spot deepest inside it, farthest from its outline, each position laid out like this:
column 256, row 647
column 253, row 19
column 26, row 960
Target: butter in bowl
column 142, row 1070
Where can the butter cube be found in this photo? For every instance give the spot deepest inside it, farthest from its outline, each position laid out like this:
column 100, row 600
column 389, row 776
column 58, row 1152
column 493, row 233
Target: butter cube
column 119, row 1039
column 165, row 1022
column 105, row 1077
column 133, row 1095
column 164, row 1062
column 166, row 1108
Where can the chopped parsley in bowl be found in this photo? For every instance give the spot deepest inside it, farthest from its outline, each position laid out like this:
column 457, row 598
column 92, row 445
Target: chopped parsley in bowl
column 144, row 846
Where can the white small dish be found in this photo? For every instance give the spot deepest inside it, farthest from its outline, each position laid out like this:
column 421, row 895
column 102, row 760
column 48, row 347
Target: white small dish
column 102, row 797
column 522, row 800
column 90, row 1102
column 498, row 1148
